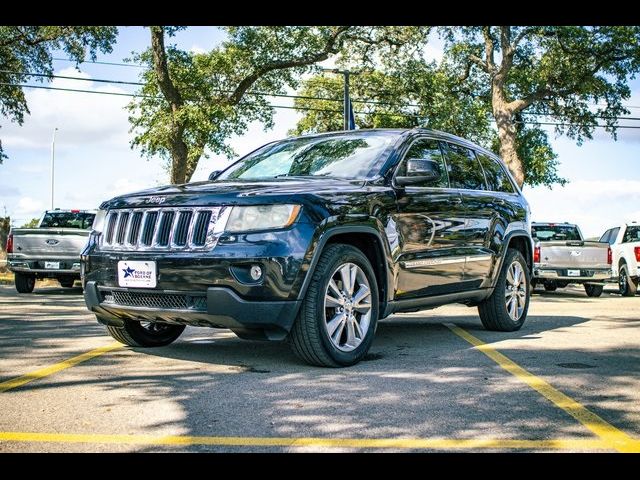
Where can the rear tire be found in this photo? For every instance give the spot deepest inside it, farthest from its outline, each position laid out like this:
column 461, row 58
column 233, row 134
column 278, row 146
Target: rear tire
column 593, row 290
column 145, row 334
column 66, row 282
column 627, row 285
column 506, row 309
column 24, row 282
column 345, row 305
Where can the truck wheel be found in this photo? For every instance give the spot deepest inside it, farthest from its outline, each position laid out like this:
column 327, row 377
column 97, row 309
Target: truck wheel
column 627, row 285
column 506, row 309
column 593, row 290
column 145, row 334
column 24, row 282
column 66, row 282
column 337, row 319
column 550, row 287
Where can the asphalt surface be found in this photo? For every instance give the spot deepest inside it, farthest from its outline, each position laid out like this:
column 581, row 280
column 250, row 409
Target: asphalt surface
column 420, row 381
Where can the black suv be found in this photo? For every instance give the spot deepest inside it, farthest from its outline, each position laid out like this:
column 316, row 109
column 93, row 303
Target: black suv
column 314, row 239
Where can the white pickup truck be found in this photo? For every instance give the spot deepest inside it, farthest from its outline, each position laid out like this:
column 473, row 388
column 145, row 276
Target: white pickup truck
column 561, row 256
column 624, row 241
column 52, row 250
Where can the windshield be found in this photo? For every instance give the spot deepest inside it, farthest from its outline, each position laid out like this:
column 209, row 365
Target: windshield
column 67, row 220
column 555, row 232
column 351, row 156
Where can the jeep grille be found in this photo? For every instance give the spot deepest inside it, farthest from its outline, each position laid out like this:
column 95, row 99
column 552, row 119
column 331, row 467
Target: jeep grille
column 149, row 229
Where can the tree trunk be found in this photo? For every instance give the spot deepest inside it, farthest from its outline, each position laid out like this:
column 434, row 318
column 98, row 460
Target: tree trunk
column 177, row 146
column 507, row 133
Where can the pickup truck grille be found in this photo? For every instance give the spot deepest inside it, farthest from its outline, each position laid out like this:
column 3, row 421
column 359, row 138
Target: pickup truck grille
column 161, row 229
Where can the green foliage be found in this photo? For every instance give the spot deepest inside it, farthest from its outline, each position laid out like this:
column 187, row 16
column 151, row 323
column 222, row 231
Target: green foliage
column 411, row 95
column 33, row 223
column 574, row 76
column 219, row 89
column 26, row 49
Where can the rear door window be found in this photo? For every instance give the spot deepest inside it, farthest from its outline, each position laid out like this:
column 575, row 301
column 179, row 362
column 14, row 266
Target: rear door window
column 464, row 168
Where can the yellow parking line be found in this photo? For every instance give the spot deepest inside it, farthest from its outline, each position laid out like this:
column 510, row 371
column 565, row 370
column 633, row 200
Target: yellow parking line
column 399, row 443
column 610, row 435
column 50, row 370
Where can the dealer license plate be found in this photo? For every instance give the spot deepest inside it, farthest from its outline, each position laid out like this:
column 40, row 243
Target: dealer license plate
column 52, row 265
column 573, row 273
column 137, row 274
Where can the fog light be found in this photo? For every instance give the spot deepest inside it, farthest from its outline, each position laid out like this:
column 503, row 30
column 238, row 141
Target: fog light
column 256, row 272
column 75, row 266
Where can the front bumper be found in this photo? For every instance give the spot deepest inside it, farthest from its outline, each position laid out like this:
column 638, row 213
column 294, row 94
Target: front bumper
column 208, row 288
column 587, row 275
column 218, row 307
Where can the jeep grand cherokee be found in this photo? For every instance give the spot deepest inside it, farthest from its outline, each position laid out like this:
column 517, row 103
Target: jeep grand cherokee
column 314, row 239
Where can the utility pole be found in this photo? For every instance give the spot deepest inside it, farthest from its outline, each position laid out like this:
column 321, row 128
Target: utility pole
column 347, row 98
column 53, row 161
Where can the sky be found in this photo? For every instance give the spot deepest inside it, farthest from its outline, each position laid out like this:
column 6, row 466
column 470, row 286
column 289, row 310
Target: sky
column 94, row 160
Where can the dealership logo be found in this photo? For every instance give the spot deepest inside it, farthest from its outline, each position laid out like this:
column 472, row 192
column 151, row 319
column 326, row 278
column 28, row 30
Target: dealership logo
column 52, row 241
column 157, row 199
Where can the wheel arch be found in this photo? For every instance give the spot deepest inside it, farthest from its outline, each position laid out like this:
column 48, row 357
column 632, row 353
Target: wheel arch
column 521, row 241
column 366, row 239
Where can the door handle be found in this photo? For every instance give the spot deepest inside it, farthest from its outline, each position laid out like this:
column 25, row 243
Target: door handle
column 456, row 201
column 500, row 201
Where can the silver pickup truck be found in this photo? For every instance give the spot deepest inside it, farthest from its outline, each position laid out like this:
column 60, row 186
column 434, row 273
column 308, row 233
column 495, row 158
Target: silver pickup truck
column 52, row 250
column 561, row 256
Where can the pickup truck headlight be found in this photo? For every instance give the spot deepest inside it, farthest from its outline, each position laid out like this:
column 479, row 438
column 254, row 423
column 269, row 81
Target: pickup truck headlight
column 98, row 222
column 261, row 217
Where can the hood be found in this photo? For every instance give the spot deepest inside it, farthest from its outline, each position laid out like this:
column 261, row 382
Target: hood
column 206, row 193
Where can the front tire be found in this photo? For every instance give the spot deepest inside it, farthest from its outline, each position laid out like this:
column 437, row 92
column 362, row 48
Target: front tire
column 550, row 287
column 628, row 287
column 337, row 319
column 506, row 309
column 145, row 334
column 24, row 282
column 593, row 290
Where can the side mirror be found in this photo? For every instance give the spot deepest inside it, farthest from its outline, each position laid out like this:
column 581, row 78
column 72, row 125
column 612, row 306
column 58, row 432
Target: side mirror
column 420, row 170
column 213, row 175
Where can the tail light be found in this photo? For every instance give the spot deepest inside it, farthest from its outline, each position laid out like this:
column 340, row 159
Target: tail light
column 610, row 255
column 536, row 255
column 636, row 251
column 10, row 243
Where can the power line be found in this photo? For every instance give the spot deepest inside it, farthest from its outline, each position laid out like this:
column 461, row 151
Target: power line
column 138, row 65
column 134, row 65
column 278, row 95
column 288, row 107
column 399, row 114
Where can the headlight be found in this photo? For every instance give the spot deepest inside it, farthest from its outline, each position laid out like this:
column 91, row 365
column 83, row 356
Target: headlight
column 98, row 221
column 261, row 217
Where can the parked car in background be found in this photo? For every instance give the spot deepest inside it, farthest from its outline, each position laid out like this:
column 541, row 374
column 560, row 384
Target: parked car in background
column 51, row 250
column 624, row 241
column 314, row 239
column 561, row 256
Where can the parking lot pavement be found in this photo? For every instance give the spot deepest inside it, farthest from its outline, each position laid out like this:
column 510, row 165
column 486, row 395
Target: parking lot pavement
column 572, row 384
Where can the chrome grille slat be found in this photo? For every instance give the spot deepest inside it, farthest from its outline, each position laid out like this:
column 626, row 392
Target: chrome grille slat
column 163, row 228
column 148, row 228
column 123, row 220
column 134, row 231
